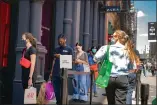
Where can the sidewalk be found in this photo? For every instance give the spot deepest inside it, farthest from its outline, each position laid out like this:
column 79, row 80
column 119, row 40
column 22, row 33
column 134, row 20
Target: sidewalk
column 95, row 100
column 103, row 99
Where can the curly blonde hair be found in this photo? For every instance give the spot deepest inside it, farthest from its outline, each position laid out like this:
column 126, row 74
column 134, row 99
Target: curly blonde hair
column 124, row 39
column 41, row 96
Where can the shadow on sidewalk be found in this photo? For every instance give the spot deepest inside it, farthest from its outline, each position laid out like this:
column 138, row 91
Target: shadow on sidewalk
column 71, row 102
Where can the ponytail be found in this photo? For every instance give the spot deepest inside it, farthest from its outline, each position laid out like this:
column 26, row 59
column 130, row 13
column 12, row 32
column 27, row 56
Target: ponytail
column 34, row 42
column 132, row 55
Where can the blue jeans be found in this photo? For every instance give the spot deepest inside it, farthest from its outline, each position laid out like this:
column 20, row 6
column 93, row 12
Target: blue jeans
column 145, row 72
column 131, row 87
column 80, row 85
column 89, row 82
column 56, row 80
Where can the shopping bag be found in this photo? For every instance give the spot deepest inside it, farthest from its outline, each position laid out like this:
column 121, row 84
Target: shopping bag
column 86, row 68
column 30, row 96
column 154, row 102
column 94, row 67
column 49, row 93
column 105, row 71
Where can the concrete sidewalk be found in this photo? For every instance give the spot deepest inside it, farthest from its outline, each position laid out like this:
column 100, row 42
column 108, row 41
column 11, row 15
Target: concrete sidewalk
column 103, row 99
column 95, row 100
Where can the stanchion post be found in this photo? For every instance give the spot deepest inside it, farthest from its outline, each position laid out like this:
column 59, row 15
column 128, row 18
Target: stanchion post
column 64, row 90
column 91, row 86
column 144, row 94
column 137, row 88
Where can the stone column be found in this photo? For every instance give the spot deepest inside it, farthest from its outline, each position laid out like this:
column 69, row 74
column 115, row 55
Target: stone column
column 95, row 20
column 35, row 29
column 67, row 30
column 101, row 28
column 23, row 26
column 76, row 22
column 67, row 22
column 86, row 25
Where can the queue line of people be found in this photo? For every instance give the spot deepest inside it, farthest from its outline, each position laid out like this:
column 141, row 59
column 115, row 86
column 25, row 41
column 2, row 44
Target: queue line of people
column 121, row 54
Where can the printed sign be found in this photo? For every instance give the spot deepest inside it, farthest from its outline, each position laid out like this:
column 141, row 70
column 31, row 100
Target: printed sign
column 66, row 61
column 152, row 31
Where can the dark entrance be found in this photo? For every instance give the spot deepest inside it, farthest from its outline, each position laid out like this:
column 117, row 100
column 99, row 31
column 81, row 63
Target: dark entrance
column 48, row 32
column 8, row 35
column 4, row 44
column 4, row 33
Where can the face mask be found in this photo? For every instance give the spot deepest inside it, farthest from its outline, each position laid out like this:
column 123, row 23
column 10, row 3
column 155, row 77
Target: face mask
column 25, row 41
column 113, row 41
column 94, row 50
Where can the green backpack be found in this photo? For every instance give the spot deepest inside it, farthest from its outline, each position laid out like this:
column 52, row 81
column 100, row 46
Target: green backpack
column 105, row 71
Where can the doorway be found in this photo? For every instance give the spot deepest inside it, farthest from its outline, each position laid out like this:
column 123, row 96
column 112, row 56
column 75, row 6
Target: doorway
column 48, row 33
column 4, row 33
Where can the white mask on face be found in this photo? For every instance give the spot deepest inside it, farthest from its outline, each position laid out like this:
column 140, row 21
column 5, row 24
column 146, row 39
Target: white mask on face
column 113, row 41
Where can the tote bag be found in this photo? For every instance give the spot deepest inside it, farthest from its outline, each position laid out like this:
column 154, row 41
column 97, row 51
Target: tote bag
column 105, row 71
column 86, row 68
column 49, row 93
column 30, row 96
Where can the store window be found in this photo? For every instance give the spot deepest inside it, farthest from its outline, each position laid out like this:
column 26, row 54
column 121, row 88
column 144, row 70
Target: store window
column 4, row 32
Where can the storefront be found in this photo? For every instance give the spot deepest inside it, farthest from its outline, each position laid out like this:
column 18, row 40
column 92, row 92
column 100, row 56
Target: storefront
column 81, row 21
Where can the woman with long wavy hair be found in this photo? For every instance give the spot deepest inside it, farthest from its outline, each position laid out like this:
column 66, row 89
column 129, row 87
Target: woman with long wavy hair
column 123, row 60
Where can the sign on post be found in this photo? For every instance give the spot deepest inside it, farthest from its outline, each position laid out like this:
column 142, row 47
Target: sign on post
column 110, row 9
column 151, row 31
column 66, row 61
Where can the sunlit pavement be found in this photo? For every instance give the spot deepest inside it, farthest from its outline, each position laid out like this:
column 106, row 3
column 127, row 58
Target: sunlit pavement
column 103, row 100
column 151, row 80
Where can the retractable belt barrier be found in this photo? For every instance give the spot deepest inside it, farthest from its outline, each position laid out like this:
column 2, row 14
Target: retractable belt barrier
column 64, row 90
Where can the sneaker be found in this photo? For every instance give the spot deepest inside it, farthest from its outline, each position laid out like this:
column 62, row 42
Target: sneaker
column 82, row 101
column 95, row 94
column 104, row 94
column 75, row 100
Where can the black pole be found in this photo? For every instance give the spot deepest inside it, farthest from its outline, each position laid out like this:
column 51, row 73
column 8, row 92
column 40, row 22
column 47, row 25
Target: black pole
column 61, row 89
column 137, row 90
column 91, row 86
column 144, row 94
column 64, row 90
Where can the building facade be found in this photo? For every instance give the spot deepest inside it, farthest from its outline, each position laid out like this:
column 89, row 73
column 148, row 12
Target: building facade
column 82, row 21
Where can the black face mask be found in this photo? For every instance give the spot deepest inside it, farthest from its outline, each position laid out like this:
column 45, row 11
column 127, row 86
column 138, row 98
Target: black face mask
column 25, row 41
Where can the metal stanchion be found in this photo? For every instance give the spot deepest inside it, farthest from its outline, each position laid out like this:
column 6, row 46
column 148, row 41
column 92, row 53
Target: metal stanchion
column 91, row 87
column 144, row 94
column 138, row 85
column 137, row 89
column 64, row 90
